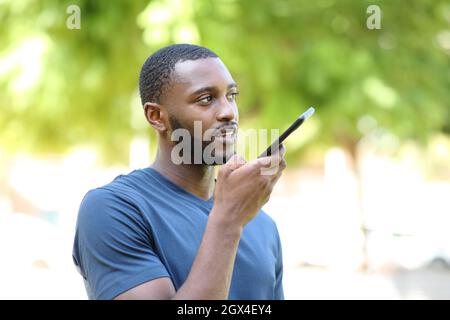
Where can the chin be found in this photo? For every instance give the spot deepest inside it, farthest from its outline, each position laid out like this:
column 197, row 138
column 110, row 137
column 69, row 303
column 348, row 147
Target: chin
column 219, row 157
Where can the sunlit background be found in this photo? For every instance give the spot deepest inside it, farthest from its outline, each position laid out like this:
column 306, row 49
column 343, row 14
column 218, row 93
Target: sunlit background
column 363, row 209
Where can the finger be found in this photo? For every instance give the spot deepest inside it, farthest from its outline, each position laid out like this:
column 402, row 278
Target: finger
column 232, row 164
column 281, row 153
column 277, row 170
column 269, row 161
column 283, row 164
column 281, row 150
column 274, row 179
column 263, row 161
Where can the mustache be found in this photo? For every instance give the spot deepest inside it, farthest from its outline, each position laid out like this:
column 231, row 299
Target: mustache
column 228, row 126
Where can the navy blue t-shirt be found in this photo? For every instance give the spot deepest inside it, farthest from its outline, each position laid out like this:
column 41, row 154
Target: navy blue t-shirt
column 142, row 226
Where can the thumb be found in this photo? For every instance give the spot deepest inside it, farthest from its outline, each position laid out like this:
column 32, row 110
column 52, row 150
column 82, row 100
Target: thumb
column 264, row 161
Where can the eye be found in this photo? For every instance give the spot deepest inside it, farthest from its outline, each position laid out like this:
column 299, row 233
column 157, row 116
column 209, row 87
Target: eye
column 205, row 100
column 232, row 96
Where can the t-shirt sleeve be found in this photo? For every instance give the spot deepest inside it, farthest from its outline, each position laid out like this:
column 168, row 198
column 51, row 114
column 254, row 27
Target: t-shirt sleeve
column 278, row 291
column 113, row 247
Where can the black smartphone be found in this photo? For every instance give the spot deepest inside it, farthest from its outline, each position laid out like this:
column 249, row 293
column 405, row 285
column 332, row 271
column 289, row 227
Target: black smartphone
column 297, row 123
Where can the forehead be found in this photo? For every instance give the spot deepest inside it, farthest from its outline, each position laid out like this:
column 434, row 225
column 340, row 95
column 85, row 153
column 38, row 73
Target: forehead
column 194, row 74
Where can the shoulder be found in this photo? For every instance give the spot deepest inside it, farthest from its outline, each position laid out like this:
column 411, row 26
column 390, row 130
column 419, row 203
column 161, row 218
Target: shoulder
column 101, row 207
column 107, row 217
column 123, row 189
column 117, row 200
column 99, row 196
column 103, row 198
column 127, row 197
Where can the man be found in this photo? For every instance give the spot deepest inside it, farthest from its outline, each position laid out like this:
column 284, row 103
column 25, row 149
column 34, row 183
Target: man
column 170, row 231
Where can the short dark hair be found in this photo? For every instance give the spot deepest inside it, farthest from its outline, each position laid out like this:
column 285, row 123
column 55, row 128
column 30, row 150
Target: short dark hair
column 157, row 70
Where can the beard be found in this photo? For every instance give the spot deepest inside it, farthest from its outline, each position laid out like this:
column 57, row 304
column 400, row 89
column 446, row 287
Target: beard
column 218, row 155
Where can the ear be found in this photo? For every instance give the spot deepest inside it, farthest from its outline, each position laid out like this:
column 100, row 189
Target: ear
column 156, row 116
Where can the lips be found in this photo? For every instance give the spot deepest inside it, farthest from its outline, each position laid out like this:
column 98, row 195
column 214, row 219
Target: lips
column 226, row 131
column 226, row 135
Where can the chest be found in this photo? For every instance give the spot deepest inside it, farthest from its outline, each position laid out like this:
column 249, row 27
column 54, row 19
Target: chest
column 178, row 236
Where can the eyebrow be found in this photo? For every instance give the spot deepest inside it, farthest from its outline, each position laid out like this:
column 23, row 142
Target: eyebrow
column 211, row 88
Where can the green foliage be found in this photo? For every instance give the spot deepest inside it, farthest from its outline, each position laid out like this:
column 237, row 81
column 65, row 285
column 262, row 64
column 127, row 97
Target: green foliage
column 61, row 87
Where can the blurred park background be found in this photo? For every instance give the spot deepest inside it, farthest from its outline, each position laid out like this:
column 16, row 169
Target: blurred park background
column 363, row 209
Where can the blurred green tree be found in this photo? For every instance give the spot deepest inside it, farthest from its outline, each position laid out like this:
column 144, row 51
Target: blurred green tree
column 62, row 87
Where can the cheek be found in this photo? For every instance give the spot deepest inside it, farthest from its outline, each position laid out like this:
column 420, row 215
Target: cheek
column 205, row 118
column 236, row 111
column 197, row 123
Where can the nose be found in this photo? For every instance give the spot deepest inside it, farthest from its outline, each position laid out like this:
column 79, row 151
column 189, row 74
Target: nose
column 227, row 111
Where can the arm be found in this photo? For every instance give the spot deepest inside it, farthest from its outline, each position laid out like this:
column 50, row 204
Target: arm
column 240, row 192
column 210, row 276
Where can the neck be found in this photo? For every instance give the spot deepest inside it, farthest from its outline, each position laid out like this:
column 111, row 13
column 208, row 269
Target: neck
column 194, row 178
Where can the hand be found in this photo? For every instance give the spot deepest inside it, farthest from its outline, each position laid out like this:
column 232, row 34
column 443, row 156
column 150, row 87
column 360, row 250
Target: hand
column 243, row 188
